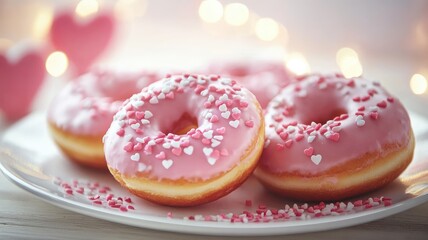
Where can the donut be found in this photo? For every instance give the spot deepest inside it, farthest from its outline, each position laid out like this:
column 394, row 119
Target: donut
column 330, row 138
column 264, row 79
column 185, row 140
column 81, row 113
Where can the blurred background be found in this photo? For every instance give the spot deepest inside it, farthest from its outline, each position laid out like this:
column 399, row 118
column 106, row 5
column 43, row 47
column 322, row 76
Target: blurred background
column 384, row 40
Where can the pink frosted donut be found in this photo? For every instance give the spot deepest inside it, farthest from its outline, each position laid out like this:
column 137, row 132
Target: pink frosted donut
column 329, row 138
column 185, row 140
column 263, row 79
column 82, row 112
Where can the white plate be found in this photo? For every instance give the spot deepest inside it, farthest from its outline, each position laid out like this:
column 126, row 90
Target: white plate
column 31, row 160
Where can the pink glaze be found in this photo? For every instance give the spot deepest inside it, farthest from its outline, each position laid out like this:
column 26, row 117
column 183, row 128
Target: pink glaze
column 263, row 79
column 87, row 106
column 228, row 122
column 370, row 119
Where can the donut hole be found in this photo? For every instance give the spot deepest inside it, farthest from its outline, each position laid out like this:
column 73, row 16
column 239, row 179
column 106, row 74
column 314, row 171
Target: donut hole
column 182, row 125
column 325, row 117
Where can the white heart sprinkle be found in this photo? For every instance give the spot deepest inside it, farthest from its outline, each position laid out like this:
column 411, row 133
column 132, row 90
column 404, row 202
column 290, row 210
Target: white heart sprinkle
column 207, row 151
column 211, row 98
column 336, row 129
column 215, row 143
column 135, row 125
column 208, row 134
column 327, row 134
column 361, row 122
column 121, row 123
column 208, row 115
column 291, row 129
column 167, row 163
column 211, row 161
column 145, row 121
column 359, row 117
column 218, row 137
column 161, row 95
column 234, row 124
column 225, row 115
column 184, row 82
column 302, row 93
column 137, row 104
column 226, row 81
column 141, row 167
column 373, row 109
column 166, row 89
column 166, row 145
column 153, row 100
column 222, row 107
column 127, row 137
column 322, row 85
column 175, row 144
column 316, row 159
column 204, row 92
column 188, row 150
column 148, row 114
column 311, row 139
column 201, row 81
column 135, row 157
column 236, row 110
column 224, row 97
column 140, row 140
column 151, row 143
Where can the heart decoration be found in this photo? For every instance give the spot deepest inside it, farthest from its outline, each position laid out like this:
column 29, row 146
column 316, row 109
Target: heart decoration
column 20, row 80
column 82, row 41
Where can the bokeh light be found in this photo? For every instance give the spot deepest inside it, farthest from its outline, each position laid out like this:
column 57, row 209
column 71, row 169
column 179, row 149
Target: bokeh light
column 87, row 8
column 211, row 11
column 42, row 22
column 266, row 29
column 56, row 64
column 130, row 9
column 418, row 84
column 297, row 64
column 349, row 63
column 236, row 14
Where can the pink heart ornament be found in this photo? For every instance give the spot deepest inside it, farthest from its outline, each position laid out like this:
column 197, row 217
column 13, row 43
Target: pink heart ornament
column 82, row 41
column 22, row 72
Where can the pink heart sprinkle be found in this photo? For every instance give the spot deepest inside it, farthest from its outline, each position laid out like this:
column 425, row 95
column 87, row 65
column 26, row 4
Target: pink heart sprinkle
column 170, row 95
column 374, row 115
column 214, row 119
column 308, row 151
column 139, row 115
column 382, row 104
column 224, row 152
column 249, row 123
column 128, row 147
column 177, row 151
column 138, row 147
column 288, row 143
column 221, row 130
column 160, row 155
column 283, row 135
column 121, row 132
column 334, row 137
column 236, row 116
